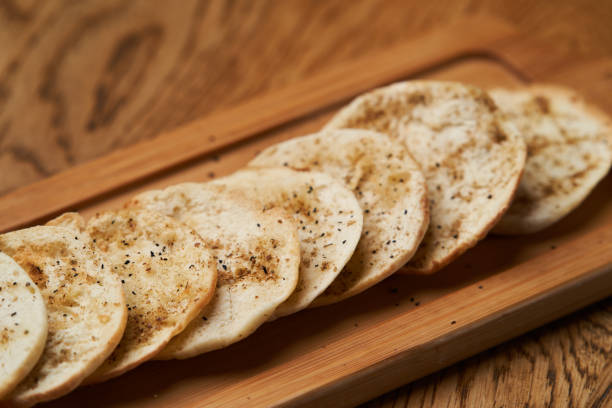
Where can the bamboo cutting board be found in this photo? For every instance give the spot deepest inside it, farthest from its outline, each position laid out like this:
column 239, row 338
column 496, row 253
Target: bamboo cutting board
column 407, row 326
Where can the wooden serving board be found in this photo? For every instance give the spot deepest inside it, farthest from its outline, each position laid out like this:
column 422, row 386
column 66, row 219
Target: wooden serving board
column 405, row 327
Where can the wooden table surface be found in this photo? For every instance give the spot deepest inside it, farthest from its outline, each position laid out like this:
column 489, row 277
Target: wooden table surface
column 79, row 79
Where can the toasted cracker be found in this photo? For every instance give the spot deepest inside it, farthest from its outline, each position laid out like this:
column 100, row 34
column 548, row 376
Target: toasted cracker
column 472, row 159
column 167, row 274
column 23, row 324
column 389, row 186
column 85, row 307
column 569, row 151
column 328, row 216
column 257, row 255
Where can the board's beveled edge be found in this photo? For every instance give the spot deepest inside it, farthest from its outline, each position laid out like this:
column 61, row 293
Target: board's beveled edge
column 553, row 273
column 593, row 282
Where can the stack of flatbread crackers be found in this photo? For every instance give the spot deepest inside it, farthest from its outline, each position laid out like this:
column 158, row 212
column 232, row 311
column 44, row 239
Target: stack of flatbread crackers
column 406, row 177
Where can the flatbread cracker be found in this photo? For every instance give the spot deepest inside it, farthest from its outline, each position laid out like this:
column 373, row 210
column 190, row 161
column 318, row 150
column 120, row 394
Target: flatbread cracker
column 23, row 324
column 569, row 150
column 257, row 255
column 328, row 216
column 472, row 158
column 85, row 307
column 167, row 274
column 389, row 186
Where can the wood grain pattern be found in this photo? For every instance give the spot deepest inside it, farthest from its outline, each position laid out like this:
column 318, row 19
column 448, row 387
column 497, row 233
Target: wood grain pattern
column 216, row 131
column 79, row 79
column 564, row 364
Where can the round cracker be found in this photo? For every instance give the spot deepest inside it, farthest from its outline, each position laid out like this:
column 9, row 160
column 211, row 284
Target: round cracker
column 23, row 324
column 569, row 151
column 85, row 307
column 389, row 187
column 167, row 275
column 257, row 255
column 471, row 158
column 328, row 216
